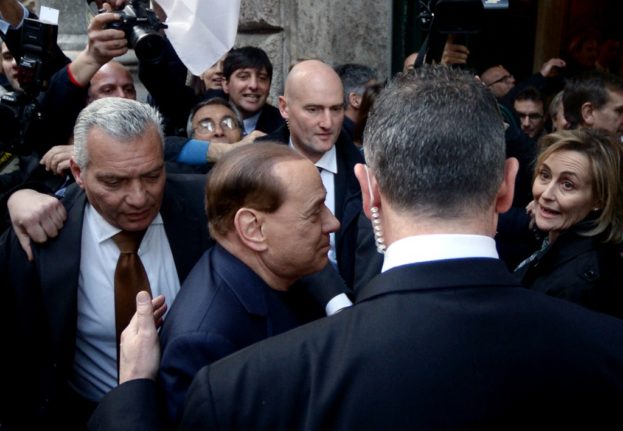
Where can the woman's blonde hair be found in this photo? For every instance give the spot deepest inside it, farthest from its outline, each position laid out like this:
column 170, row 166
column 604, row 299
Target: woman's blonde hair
column 604, row 155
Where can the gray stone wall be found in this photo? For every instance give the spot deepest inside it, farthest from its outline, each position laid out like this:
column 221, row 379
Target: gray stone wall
column 357, row 31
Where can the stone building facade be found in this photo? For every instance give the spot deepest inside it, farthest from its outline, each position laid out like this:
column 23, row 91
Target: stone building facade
column 357, row 31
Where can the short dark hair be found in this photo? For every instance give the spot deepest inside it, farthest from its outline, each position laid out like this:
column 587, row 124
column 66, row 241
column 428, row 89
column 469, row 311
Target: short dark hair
column 435, row 142
column 589, row 87
column 244, row 177
column 245, row 57
column 531, row 94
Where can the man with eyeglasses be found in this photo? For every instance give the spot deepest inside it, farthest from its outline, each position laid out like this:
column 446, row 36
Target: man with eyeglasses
column 529, row 106
column 500, row 81
column 214, row 128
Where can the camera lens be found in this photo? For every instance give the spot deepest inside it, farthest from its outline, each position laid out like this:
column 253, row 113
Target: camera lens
column 148, row 45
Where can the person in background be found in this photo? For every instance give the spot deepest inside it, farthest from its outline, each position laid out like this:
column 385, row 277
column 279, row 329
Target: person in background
column 557, row 113
column 444, row 338
column 266, row 211
column 578, row 205
column 530, row 109
column 355, row 78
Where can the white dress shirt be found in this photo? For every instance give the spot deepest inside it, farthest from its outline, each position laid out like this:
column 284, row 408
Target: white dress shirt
column 95, row 365
column 427, row 248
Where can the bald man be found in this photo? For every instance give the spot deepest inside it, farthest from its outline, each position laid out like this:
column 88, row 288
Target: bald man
column 313, row 107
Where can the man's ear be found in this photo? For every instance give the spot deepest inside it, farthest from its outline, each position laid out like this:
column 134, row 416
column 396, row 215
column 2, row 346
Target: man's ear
column 76, row 171
column 283, row 107
column 369, row 189
column 354, row 100
column 588, row 113
column 249, row 228
column 506, row 192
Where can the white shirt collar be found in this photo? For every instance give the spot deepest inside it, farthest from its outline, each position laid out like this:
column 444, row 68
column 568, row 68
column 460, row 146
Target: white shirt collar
column 328, row 161
column 426, row 248
column 103, row 229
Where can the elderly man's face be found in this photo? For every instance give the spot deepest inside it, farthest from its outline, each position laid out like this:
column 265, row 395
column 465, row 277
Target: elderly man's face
column 298, row 232
column 216, row 123
column 124, row 181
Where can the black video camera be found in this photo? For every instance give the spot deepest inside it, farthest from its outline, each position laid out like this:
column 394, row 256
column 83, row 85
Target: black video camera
column 20, row 114
column 19, row 119
column 141, row 27
column 460, row 18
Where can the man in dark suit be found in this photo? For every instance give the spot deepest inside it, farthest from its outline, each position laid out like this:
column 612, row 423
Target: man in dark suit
column 60, row 306
column 444, row 338
column 313, row 106
column 265, row 203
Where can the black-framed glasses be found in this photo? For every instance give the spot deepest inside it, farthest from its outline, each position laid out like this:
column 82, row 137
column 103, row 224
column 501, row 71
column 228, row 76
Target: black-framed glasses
column 506, row 78
column 207, row 125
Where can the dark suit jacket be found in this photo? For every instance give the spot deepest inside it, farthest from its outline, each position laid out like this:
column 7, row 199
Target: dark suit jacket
column 40, row 301
column 270, row 119
column 580, row 269
column 348, row 207
column 453, row 344
column 222, row 307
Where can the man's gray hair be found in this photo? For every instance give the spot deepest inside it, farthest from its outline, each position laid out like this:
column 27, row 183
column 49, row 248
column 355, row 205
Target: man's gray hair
column 354, row 78
column 121, row 119
column 435, row 142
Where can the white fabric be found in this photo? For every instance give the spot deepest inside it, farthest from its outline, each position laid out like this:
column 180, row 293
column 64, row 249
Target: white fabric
column 426, row 248
column 95, row 365
column 328, row 170
column 201, row 31
column 337, row 303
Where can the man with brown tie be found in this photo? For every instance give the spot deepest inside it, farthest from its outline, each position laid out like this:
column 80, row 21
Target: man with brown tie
column 61, row 323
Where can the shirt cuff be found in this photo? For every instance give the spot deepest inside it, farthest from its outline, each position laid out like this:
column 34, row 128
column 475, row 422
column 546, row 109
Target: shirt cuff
column 338, row 303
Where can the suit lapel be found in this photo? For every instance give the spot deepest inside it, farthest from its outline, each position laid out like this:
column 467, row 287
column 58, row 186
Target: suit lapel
column 59, row 276
column 183, row 230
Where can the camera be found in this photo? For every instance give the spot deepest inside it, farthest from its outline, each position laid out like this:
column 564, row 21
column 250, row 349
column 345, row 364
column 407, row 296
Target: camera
column 459, row 18
column 19, row 120
column 141, row 27
column 38, row 43
column 20, row 115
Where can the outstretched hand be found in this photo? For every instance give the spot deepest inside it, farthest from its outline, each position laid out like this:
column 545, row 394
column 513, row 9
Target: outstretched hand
column 139, row 356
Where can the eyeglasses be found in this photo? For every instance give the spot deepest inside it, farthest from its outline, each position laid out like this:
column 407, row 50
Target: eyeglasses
column 506, row 78
column 208, row 126
column 531, row 117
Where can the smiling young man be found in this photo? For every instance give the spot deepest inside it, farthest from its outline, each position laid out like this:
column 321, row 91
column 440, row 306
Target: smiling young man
column 248, row 73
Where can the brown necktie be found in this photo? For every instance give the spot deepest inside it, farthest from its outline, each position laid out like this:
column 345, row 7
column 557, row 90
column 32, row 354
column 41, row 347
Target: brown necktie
column 130, row 278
